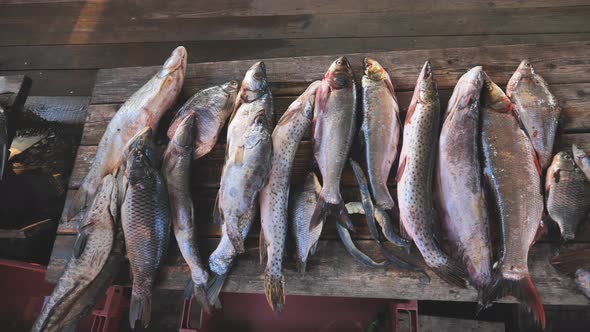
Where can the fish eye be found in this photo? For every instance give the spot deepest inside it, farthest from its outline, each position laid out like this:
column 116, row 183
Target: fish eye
column 339, row 62
column 258, row 75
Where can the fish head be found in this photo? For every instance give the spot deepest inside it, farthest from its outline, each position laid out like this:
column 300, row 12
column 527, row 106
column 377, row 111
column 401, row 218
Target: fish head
column 140, row 150
column 184, row 134
column 175, row 64
column 468, row 87
column 254, row 84
column 524, row 73
column 563, row 161
column 578, row 153
column 426, row 84
column 231, row 88
column 340, row 74
column 311, row 183
column 373, row 70
column 494, row 98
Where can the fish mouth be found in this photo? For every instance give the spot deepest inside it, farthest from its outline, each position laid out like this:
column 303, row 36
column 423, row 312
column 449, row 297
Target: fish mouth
column 426, row 72
column 176, row 61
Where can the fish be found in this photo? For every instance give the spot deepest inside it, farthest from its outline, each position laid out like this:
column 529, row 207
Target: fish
column 274, row 196
column 582, row 160
column 91, row 252
column 459, row 190
column 568, row 194
column 536, row 108
column 334, row 126
column 247, row 165
column 302, row 202
column 380, row 130
column 211, row 108
column 4, row 143
column 575, row 263
column 415, row 178
column 512, row 175
column 176, row 169
column 143, row 109
column 145, row 218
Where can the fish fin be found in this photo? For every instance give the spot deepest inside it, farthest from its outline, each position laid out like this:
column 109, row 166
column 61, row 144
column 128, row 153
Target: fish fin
column 80, row 244
column 391, row 89
column 452, row 272
column 140, row 308
column 354, row 251
column 387, row 228
column 214, row 288
column 368, row 207
column 568, row 262
column 313, row 248
column 522, row 289
column 274, row 291
column 217, row 220
column 262, row 248
column 319, row 213
column 397, row 261
column 537, row 165
column 301, row 265
column 198, row 291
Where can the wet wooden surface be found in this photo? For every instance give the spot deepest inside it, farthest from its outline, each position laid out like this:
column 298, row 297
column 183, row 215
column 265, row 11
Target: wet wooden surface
column 333, row 271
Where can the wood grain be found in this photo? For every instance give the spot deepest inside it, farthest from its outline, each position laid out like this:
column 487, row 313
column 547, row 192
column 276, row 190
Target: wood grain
column 58, row 82
column 333, row 272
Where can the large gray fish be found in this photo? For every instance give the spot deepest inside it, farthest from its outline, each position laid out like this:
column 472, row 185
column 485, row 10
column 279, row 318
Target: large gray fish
column 582, row 160
column 246, row 169
column 91, row 251
column 248, row 154
column 274, row 196
column 459, row 186
column 143, row 109
column 301, row 205
column 211, row 108
column 513, row 176
column 415, row 177
column 176, row 169
column 380, row 129
column 575, row 263
column 334, row 125
column 145, row 217
column 536, row 108
column 568, row 194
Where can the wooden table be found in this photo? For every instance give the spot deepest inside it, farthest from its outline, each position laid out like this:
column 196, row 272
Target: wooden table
column 332, row 272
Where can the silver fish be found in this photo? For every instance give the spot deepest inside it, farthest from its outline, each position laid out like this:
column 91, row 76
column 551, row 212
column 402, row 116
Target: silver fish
column 582, row 160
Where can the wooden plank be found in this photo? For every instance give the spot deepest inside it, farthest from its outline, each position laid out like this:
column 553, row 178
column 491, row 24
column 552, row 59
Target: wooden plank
column 68, row 110
column 14, row 91
column 109, row 23
column 448, row 324
column 333, row 272
column 94, row 56
column 58, row 82
column 290, row 76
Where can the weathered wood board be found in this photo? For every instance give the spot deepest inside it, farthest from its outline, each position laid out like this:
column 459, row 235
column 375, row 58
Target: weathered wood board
column 333, row 271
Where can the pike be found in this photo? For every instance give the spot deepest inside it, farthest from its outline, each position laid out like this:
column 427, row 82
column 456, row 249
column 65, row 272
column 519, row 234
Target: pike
column 274, row 196
column 143, row 109
column 459, row 186
column 415, row 178
column 513, row 176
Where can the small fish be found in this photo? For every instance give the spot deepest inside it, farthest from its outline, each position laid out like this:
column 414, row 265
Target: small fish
column 91, row 252
column 582, row 160
column 513, row 176
column 301, row 205
column 536, row 108
column 176, row 169
column 380, row 130
column 145, row 217
column 211, row 108
column 274, row 196
column 458, row 180
column 143, row 109
column 415, row 177
column 246, row 169
column 575, row 263
column 568, row 194
column 334, row 125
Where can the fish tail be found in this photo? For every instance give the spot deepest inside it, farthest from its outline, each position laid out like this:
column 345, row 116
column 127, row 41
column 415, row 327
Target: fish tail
column 451, row 271
column 301, row 265
column 354, row 251
column 522, row 289
column 140, row 308
column 274, row 289
column 214, row 289
column 198, row 291
column 387, row 228
column 319, row 213
column 392, row 257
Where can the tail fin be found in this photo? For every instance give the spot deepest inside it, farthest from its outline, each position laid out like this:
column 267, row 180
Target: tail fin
column 214, row 288
column 198, row 291
column 140, row 308
column 397, row 261
column 319, row 213
column 383, row 219
column 452, row 272
column 274, row 290
column 354, row 251
column 522, row 289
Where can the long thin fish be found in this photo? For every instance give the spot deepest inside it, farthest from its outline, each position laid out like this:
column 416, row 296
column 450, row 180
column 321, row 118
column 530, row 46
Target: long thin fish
column 568, row 194
column 145, row 216
column 380, row 130
column 246, row 169
column 582, row 160
column 143, row 109
column 211, row 108
column 513, row 176
column 274, row 196
column 176, row 169
column 536, row 108
column 415, row 177
column 333, row 132
column 91, row 252
column 459, row 186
